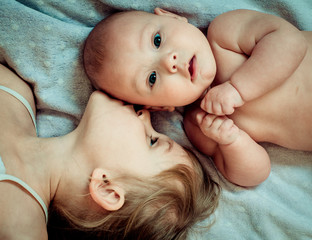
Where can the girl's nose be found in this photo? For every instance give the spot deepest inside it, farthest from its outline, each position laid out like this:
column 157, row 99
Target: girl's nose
column 144, row 114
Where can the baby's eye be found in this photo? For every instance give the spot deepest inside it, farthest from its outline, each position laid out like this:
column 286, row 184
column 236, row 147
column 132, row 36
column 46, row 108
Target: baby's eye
column 152, row 79
column 157, row 40
column 153, row 140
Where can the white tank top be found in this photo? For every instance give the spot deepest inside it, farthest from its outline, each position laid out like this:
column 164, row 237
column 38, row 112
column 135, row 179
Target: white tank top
column 7, row 177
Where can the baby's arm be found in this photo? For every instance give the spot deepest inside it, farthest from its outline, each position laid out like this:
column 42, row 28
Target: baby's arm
column 255, row 53
column 237, row 156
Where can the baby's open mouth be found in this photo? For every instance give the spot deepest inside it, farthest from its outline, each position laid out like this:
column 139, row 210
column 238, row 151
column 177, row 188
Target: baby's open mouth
column 192, row 67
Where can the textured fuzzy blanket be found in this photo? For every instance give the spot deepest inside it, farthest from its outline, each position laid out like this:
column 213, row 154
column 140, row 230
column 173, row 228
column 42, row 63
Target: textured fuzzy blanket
column 42, row 41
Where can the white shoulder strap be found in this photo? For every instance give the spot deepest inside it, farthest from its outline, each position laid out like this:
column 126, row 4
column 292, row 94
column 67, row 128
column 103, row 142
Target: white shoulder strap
column 6, row 177
column 23, row 101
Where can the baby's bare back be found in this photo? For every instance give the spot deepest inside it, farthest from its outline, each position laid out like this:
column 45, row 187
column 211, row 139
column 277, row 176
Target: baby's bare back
column 284, row 115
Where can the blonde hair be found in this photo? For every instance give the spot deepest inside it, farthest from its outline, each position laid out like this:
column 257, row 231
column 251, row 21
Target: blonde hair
column 156, row 208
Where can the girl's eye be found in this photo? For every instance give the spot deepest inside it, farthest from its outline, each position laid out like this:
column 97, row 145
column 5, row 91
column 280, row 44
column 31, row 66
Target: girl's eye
column 157, row 40
column 152, row 79
column 153, row 140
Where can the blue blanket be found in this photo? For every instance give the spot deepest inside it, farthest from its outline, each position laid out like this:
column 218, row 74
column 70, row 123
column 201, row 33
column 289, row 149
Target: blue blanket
column 42, row 41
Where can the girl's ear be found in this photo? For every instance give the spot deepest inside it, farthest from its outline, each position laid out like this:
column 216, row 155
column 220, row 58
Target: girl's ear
column 105, row 193
column 162, row 12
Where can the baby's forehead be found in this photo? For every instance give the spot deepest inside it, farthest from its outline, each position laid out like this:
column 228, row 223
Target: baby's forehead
column 136, row 14
column 133, row 17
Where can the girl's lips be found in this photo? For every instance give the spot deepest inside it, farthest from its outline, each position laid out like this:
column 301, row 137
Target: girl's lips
column 192, row 68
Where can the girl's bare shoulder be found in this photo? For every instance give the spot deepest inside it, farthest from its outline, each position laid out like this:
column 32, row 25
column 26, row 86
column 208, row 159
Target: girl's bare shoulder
column 11, row 80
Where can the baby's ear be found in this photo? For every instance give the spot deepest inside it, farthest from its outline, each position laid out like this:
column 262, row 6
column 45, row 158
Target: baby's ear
column 164, row 108
column 162, row 12
column 104, row 192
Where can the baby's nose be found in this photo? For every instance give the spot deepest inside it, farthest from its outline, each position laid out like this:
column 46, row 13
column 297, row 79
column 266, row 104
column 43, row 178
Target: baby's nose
column 170, row 62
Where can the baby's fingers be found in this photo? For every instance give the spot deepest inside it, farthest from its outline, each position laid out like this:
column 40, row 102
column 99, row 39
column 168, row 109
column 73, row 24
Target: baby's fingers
column 219, row 128
column 214, row 107
column 205, row 120
column 206, row 104
column 228, row 132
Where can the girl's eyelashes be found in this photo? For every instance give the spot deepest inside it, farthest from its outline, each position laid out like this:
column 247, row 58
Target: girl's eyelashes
column 157, row 40
column 153, row 140
column 152, row 79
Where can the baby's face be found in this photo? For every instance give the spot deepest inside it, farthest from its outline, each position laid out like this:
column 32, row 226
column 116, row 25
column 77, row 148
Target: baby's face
column 157, row 60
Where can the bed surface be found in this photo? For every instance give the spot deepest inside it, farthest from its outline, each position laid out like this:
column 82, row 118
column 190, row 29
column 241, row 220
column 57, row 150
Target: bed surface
column 42, row 41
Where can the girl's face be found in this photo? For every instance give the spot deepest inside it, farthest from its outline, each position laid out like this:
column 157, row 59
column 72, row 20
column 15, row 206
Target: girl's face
column 125, row 141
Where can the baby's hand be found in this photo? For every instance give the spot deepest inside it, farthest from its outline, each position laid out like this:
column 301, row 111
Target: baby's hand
column 221, row 100
column 219, row 128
